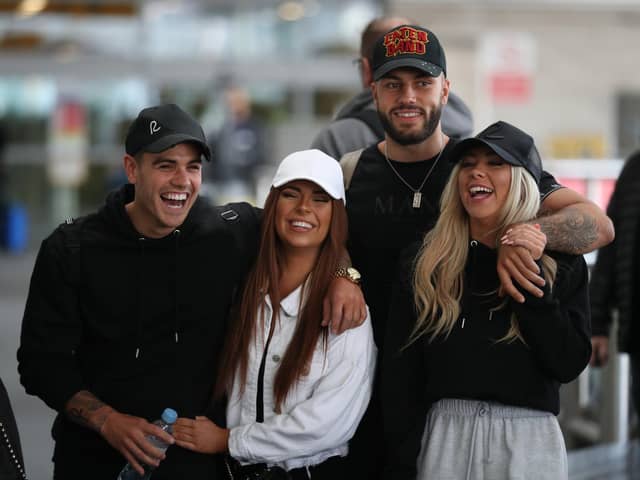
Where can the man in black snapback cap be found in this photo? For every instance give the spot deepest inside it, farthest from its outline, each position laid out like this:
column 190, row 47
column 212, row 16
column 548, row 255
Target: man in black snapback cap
column 127, row 308
column 393, row 199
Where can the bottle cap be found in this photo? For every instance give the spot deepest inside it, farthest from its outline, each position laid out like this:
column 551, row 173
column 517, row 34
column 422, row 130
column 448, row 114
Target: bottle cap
column 169, row 416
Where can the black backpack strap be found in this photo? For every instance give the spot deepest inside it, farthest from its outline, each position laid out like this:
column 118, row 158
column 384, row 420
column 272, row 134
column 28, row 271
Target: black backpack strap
column 71, row 229
column 349, row 162
column 246, row 231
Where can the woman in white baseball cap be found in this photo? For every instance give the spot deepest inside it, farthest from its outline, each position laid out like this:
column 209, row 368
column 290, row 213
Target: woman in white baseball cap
column 296, row 392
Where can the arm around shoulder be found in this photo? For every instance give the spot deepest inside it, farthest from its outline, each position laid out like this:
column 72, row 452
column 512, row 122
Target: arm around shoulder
column 573, row 224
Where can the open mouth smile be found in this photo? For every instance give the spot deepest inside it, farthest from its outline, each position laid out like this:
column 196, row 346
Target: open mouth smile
column 174, row 199
column 480, row 191
column 300, row 225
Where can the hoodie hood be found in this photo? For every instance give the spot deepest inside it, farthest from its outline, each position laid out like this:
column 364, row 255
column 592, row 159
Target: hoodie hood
column 362, row 101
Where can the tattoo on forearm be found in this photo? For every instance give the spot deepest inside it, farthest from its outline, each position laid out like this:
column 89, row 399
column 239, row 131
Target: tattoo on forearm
column 570, row 231
column 86, row 409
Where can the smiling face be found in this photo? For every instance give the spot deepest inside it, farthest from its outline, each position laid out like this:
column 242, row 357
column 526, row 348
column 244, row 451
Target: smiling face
column 166, row 186
column 410, row 104
column 303, row 215
column 484, row 181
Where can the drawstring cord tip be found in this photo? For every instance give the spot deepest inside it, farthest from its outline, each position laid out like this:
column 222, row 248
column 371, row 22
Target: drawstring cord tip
column 177, row 339
column 137, row 352
column 463, row 320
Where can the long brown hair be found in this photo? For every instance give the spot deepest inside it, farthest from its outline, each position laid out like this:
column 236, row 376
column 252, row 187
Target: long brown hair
column 264, row 279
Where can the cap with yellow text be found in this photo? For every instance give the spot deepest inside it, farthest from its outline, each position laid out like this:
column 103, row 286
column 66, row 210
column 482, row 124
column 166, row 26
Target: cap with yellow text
column 408, row 46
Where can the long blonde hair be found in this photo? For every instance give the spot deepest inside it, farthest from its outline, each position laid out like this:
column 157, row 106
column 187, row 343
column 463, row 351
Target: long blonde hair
column 438, row 278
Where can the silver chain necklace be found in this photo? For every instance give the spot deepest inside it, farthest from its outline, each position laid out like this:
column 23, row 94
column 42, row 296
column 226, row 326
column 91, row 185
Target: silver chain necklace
column 417, row 193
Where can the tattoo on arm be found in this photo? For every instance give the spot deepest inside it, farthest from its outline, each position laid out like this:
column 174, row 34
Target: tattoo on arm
column 86, row 409
column 569, row 230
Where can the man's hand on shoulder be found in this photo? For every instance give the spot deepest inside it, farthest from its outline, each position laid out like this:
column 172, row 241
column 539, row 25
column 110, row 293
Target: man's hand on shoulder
column 344, row 306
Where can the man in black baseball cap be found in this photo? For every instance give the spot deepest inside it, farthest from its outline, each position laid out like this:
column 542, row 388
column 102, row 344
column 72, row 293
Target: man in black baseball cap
column 393, row 199
column 411, row 88
column 128, row 308
column 164, row 146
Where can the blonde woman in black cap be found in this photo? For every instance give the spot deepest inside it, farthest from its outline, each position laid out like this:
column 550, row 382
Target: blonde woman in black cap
column 470, row 378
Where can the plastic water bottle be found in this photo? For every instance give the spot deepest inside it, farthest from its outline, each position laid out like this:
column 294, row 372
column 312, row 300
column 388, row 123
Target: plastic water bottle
column 166, row 421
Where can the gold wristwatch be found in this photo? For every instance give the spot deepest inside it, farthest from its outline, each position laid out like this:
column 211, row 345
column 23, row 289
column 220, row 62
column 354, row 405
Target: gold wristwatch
column 349, row 273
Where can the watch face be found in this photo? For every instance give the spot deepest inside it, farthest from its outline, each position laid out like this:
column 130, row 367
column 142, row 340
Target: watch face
column 353, row 274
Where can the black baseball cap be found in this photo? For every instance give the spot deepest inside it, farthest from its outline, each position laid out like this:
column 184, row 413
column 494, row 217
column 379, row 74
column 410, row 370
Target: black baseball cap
column 510, row 143
column 408, row 46
column 159, row 128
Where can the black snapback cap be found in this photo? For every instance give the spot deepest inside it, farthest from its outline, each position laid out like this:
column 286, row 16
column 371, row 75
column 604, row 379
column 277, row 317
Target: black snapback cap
column 408, row 46
column 159, row 128
column 510, row 143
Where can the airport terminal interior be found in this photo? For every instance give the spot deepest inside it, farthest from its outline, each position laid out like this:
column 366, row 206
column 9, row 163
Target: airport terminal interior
column 74, row 74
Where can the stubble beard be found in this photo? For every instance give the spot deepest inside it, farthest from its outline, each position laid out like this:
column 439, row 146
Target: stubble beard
column 402, row 138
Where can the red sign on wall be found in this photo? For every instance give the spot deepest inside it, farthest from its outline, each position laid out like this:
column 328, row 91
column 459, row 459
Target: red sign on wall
column 510, row 87
column 508, row 60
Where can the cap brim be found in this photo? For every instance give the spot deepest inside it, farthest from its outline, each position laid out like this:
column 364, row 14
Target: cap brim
column 173, row 139
column 468, row 143
column 429, row 68
column 327, row 188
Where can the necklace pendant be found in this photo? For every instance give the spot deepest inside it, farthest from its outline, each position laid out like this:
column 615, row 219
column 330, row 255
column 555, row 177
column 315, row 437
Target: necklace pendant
column 417, row 199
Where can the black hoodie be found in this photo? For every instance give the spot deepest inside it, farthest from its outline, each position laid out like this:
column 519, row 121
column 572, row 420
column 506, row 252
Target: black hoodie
column 470, row 362
column 139, row 322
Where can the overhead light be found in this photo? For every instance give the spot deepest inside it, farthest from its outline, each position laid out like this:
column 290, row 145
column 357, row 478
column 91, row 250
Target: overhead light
column 27, row 8
column 291, row 11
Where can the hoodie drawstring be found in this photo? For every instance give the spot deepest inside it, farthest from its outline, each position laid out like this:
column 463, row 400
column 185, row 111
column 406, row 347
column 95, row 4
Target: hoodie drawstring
column 141, row 241
column 466, row 290
column 482, row 409
column 176, row 320
column 176, row 287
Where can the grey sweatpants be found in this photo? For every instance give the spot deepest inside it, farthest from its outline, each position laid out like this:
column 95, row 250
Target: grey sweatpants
column 472, row 440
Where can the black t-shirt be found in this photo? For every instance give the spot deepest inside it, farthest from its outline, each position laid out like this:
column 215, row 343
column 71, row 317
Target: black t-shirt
column 382, row 220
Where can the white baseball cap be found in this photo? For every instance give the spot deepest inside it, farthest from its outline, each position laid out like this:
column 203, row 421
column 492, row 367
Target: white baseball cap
column 315, row 166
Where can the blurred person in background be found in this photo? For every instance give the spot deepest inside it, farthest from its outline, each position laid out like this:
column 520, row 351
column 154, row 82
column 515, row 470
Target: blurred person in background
column 487, row 370
column 237, row 150
column 357, row 123
column 11, row 461
column 614, row 286
column 127, row 307
column 296, row 391
column 394, row 190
